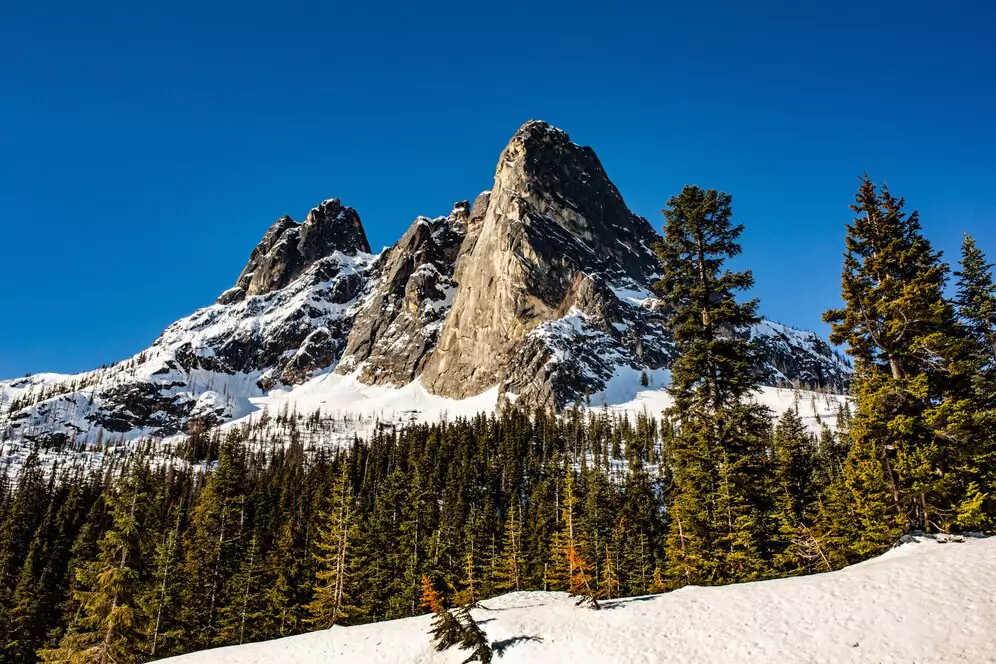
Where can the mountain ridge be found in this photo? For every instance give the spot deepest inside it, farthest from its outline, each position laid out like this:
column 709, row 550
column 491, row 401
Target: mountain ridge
column 541, row 288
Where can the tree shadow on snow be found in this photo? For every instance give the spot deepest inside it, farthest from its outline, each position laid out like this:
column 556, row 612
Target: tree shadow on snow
column 499, row 647
column 610, row 604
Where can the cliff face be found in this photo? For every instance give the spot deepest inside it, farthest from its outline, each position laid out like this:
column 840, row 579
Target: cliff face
column 412, row 288
column 541, row 288
column 555, row 238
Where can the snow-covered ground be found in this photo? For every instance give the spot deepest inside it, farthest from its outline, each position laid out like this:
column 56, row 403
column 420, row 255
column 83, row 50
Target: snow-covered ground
column 922, row 602
column 350, row 408
column 624, row 393
column 340, row 396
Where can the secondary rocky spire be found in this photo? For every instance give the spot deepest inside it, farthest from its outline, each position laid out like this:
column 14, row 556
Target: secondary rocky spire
column 289, row 248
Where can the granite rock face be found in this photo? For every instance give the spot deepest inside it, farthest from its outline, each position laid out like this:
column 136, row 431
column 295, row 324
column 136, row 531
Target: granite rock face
column 556, row 240
column 412, row 288
column 289, row 248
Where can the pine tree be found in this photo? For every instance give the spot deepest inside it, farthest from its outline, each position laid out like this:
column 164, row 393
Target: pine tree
column 469, row 593
column 237, row 620
column 608, row 586
column 473, row 637
column 212, row 542
column 446, row 629
column 976, row 300
column 511, row 564
column 108, row 630
column 161, row 600
column 335, row 557
column 690, row 542
column 717, row 366
column 657, row 584
column 25, row 512
column 975, row 422
column 571, row 567
column 870, row 505
column 282, row 610
column 800, row 549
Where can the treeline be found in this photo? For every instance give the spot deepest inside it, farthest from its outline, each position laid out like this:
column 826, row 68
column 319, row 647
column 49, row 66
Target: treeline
column 149, row 561
column 252, row 541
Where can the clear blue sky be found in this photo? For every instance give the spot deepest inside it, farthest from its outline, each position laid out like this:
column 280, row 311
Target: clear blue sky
column 146, row 147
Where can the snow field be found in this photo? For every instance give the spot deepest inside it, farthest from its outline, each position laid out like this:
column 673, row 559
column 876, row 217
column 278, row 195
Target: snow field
column 924, row 602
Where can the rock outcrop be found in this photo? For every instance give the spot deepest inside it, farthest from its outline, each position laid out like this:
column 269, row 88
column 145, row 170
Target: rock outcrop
column 412, row 288
column 289, row 248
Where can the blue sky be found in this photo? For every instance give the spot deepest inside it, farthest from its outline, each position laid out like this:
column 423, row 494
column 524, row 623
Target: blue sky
column 145, row 149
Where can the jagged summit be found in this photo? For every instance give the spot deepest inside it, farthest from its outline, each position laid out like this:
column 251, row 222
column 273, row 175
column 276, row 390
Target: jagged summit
column 289, row 248
column 566, row 184
column 556, row 237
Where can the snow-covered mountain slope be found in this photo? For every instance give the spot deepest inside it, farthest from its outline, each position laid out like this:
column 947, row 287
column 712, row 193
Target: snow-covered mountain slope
column 923, row 602
column 333, row 409
column 541, row 289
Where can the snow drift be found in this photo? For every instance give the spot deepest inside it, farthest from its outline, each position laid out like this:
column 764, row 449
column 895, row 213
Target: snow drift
column 922, row 602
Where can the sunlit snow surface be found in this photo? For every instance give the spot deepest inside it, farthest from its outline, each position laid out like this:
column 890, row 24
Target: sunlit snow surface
column 350, row 408
column 924, row 602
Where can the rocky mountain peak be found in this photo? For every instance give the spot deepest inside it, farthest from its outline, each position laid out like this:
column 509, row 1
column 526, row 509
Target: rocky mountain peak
column 541, row 288
column 553, row 234
column 289, row 248
column 567, row 185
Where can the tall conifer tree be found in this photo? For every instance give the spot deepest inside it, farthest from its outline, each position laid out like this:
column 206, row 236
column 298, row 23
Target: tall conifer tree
column 334, row 554
column 908, row 350
column 108, row 629
column 718, row 452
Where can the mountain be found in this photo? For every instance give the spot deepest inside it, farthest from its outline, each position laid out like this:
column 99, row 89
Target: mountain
column 921, row 602
column 541, row 290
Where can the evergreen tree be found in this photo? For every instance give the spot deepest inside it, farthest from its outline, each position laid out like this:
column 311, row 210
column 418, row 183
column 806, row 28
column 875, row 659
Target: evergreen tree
column 909, row 352
column 511, row 564
column 976, row 423
column 335, row 557
column 212, row 542
column 976, row 300
column 446, row 629
column 800, row 549
column 718, row 454
column 282, row 612
column 473, row 637
column 238, row 619
column 108, row 630
column 161, row 601
column 572, row 569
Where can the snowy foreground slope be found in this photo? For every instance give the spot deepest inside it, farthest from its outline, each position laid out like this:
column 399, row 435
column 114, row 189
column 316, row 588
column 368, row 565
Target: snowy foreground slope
column 922, row 602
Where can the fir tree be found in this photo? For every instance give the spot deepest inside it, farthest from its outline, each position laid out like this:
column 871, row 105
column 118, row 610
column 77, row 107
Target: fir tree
column 334, row 556
column 211, row 542
column 108, row 630
column 976, row 300
column 162, row 601
column 446, row 629
column 718, row 453
column 571, row 567
column 511, row 564
column 908, row 351
column 473, row 637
